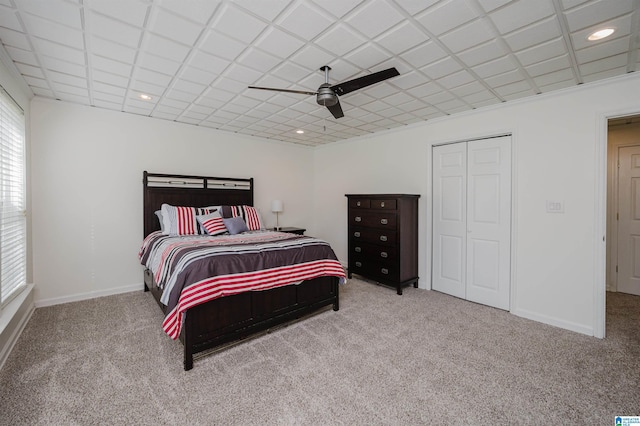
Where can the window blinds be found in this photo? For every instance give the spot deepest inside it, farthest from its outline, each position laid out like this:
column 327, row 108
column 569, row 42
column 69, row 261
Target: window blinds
column 13, row 229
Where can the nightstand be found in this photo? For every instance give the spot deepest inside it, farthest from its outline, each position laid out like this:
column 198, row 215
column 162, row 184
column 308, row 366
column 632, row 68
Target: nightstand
column 290, row 230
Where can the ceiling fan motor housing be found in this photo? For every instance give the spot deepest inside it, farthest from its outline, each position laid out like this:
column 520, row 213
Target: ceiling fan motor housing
column 326, row 96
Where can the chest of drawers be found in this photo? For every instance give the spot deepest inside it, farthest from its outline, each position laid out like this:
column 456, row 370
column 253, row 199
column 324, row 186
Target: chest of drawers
column 383, row 238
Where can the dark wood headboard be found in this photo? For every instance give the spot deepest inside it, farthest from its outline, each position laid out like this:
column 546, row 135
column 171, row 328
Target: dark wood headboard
column 192, row 191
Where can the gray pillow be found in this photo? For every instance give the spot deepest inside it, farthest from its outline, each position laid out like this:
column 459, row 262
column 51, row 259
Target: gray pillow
column 235, row 225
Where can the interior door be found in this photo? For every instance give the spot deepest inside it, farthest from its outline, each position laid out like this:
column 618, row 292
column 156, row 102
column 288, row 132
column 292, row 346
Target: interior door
column 472, row 220
column 629, row 220
column 489, row 221
column 449, row 219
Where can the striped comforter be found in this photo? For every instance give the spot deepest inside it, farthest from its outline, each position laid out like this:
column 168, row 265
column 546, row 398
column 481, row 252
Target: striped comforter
column 192, row 270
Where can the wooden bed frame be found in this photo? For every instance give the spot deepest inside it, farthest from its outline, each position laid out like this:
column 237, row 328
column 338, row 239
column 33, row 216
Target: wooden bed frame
column 231, row 318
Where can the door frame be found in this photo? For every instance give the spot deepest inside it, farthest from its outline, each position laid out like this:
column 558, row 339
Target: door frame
column 600, row 218
column 514, row 170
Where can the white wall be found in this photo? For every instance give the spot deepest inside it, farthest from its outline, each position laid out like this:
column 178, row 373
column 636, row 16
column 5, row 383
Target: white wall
column 556, row 141
column 87, row 169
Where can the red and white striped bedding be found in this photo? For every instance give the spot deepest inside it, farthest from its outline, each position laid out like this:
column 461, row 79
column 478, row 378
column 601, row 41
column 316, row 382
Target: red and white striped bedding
column 195, row 269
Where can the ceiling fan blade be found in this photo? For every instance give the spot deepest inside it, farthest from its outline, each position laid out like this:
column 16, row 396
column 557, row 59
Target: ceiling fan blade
column 367, row 80
column 300, row 92
column 336, row 110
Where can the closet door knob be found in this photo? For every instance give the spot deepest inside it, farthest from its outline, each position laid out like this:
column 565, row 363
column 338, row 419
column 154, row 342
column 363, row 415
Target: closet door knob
column 358, row 219
column 384, row 221
column 383, row 238
column 356, row 234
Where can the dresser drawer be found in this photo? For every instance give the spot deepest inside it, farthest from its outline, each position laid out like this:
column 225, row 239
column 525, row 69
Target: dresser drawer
column 374, row 270
column 359, row 203
column 383, row 254
column 371, row 235
column 384, row 204
column 374, row 220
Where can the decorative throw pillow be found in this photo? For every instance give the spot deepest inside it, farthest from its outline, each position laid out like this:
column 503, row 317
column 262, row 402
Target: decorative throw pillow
column 251, row 215
column 159, row 216
column 179, row 220
column 212, row 223
column 235, row 225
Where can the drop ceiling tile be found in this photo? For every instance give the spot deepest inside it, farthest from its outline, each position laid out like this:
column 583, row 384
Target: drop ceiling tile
column 67, row 14
column 115, row 31
column 401, row 38
column 152, row 77
column 516, row 87
column 542, row 52
column 482, row 96
column 603, row 50
column 312, row 57
column 605, row 74
column 36, row 82
column 242, row 74
column 278, row 43
column 257, row 59
column 441, row 68
column 367, row 56
column 115, row 106
column 143, row 87
column 468, row 35
column 134, row 13
column 568, row 4
column 238, row 24
column 48, row 30
column 165, row 48
column 554, row 77
column 75, row 99
column 412, row 106
column 218, row 94
column 31, row 71
column 14, row 38
column 21, row 55
column 455, row 79
column 381, row 90
column 613, row 62
column 498, row 66
column 222, row 46
column 108, row 97
column 504, row 79
column 229, row 85
column 622, row 25
column 446, row 16
column 342, row 70
column 424, row 90
column 206, row 62
column 209, row 102
column 110, row 79
column 424, row 54
column 60, row 51
column 54, row 64
column 158, row 64
column 408, row 80
column 194, row 74
column 483, row 53
column 305, row 21
column 109, row 65
column 173, row 27
column 266, row 9
column 521, row 13
column 531, row 35
column 546, row 67
column 374, row 17
column 109, row 89
column 593, row 13
column 189, row 87
column 291, row 72
column 468, row 89
column 489, row 5
column 175, row 103
column 9, row 19
column 109, row 49
column 62, row 87
column 197, row 11
column 556, row 86
column 339, row 40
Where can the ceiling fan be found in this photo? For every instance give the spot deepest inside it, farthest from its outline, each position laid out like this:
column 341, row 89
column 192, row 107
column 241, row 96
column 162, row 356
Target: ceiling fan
column 327, row 95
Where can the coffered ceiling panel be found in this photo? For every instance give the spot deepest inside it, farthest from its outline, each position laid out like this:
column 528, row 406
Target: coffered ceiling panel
column 193, row 61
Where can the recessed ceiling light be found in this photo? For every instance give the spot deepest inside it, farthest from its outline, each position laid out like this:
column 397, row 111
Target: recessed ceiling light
column 145, row 97
column 299, row 132
column 600, row 34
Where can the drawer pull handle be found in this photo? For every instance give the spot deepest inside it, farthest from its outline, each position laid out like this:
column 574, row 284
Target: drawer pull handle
column 384, row 271
column 384, row 221
column 358, row 219
column 359, row 264
column 382, row 204
column 356, row 234
column 383, row 238
column 358, row 249
column 358, row 204
column 384, row 254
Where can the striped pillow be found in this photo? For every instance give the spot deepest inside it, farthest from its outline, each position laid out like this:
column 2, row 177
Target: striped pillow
column 179, row 220
column 251, row 215
column 212, row 223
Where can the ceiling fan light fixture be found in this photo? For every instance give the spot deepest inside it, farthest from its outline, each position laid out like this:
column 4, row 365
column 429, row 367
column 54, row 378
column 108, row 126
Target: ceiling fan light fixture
column 326, row 96
column 600, row 34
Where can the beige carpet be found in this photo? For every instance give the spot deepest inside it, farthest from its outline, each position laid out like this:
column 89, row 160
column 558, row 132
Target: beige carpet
column 420, row 358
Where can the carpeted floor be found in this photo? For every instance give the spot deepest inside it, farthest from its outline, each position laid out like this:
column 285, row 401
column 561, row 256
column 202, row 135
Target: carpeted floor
column 421, row 358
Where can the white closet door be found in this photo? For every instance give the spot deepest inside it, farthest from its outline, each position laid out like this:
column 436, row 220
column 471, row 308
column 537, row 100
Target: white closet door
column 629, row 220
column 489, row 221
column 449, row 219
column 472, row 220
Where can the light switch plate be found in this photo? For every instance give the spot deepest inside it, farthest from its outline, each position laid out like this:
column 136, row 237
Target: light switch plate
column 555, row 206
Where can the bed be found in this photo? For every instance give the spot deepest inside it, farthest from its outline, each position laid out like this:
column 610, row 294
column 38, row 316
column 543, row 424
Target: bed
column 212, row 322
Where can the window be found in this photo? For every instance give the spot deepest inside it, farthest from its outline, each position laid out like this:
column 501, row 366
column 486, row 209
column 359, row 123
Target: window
column 13, row 221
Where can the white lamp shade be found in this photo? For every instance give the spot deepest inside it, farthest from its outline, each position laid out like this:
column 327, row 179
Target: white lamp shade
column 276, row 206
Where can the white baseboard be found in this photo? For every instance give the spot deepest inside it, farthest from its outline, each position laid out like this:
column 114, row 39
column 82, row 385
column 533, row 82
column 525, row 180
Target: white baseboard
column 13, row 319
column 89, row 295
column 567, row 325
